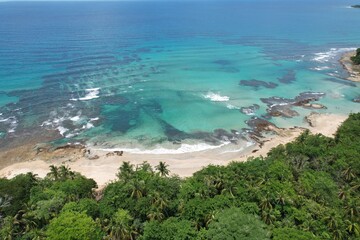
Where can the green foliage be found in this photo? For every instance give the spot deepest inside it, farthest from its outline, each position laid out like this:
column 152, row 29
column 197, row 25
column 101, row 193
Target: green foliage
column 87, row 205
column 121, row 226
column 170, row 229
column 73, row 225
column 75, row 189
column 17, row 190
column 356, row 58
column 307, row 189
column 145, row 194
column 293, row 234
column 232, row 223
column 318, row 186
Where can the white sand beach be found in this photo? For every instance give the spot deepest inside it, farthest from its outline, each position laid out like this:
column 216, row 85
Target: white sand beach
column 102, row 166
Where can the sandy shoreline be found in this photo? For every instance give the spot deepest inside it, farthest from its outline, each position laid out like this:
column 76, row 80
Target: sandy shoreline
column 353, row 70
column 103, row 169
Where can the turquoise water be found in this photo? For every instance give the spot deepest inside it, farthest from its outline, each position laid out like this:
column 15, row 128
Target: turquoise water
column 145, row 75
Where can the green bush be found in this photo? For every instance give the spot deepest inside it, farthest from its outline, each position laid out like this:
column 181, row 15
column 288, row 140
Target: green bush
column 356, row 58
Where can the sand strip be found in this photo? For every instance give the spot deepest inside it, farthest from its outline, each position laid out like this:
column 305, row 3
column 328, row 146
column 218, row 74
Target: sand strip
column 353, row 70
column 104, row 168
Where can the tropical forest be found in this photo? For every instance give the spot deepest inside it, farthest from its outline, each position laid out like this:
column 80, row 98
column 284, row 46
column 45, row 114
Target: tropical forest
column 306, row 189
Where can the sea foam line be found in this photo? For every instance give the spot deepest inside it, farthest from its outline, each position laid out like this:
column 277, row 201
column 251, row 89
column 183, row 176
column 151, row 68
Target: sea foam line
column 216, row 97
column 91, row 93
column 184, row 148
column 324, row 57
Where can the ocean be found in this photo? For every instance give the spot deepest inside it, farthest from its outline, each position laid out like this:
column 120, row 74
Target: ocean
column 169, row 77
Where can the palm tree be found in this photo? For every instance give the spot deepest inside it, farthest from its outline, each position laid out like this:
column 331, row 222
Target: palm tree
column 32, row 176
column 332, row 223
column 65, row 172
column 209, row 218
column 265, row 204
column 145, row 167
column 348, row 174
column 338, row 234
column 353, row 228
column 121, row 226
column 343, row 194
column 54, row 173
column 230, row 188
column 8, row 229
column 299, row 162
column 163, row 169
column 308, row 225
column 352, row 208
column 126, row 170
column 4, row 203
column 137, row 188
column 156, row 214
column 158, row 201
column 268, row 217
column 25, row 220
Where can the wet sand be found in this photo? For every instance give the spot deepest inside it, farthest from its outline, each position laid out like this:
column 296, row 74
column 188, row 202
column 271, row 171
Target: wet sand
column 102, row 166
column 353, row 70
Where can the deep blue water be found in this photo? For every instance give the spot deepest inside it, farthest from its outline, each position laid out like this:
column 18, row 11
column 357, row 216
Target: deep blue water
column 137, row 74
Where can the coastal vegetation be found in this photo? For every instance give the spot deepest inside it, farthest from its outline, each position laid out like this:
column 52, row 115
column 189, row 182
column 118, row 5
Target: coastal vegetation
column 356, row 59
column 306, row 189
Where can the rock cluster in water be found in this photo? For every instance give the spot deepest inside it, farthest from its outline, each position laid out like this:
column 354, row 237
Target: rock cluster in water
column 250, row 110
column 278, row 106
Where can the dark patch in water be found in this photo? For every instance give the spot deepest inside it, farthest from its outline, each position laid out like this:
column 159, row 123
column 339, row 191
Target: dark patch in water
column 256, row 84
column 229, row 69
column 173, row 134
column 341, row 81
column 153, row 106
column 143, row 50
column 122, row 120
column 278, row 51
column 222, row 62
column 289, row 77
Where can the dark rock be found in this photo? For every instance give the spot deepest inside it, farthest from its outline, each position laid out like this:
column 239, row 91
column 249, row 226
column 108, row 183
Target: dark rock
column 357, row 99
column 278, row 106
column 250, row 110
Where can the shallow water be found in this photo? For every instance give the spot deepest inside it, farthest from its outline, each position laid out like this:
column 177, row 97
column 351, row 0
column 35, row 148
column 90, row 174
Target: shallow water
column 145, row 75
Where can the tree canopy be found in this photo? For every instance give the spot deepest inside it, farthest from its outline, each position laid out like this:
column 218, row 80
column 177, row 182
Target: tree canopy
column 356, row 58
column 306, row 189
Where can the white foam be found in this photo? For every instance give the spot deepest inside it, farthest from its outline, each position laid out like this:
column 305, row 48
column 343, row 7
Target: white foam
column 4, row 120
column 91, row 93
column 248, row 112
column 229, row 106
column 62, row 130
column 94, row 119
column 248, row 144
column 216, row 97
column 75, row 119
column 11, row 122
column 89, row 125
column 324, row 57
column 320, row 68
column 184, row 148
